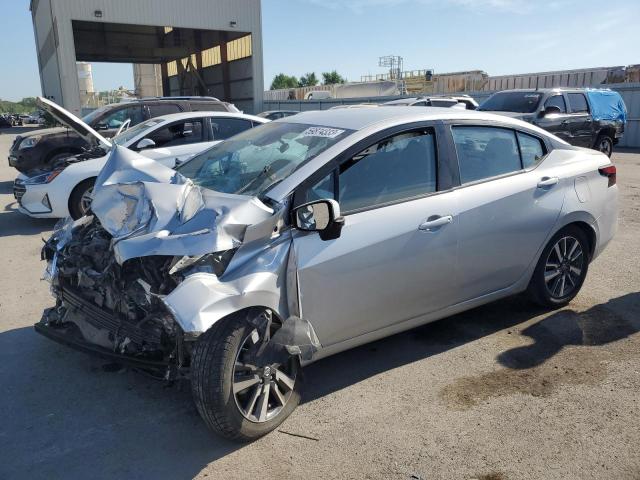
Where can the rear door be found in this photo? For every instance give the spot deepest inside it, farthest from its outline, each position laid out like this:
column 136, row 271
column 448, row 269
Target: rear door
column 508, row 204
column 580, row 120
column 395, row 259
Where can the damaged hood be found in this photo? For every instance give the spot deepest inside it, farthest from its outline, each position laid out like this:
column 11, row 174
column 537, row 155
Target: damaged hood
column 150, row 209
column 70, row 120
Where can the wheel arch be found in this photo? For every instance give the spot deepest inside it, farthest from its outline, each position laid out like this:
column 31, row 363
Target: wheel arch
column 202, row 300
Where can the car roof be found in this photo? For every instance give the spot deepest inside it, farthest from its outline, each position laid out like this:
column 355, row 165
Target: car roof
column 360, row 118
column 172, row 117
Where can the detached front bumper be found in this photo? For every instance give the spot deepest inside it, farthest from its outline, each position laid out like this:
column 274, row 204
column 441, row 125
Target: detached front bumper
column 70, row 336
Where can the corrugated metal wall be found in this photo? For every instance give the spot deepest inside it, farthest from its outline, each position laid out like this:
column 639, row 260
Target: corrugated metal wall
column 58, row 74
column 630, row 93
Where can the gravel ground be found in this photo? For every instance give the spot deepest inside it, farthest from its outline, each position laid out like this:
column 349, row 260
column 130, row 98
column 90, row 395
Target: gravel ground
column 502, row 392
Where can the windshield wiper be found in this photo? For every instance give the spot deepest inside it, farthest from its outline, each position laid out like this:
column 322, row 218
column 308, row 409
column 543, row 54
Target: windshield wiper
column 264, row 172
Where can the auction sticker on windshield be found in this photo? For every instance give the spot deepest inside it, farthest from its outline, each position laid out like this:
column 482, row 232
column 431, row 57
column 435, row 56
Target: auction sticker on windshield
column 322, row 132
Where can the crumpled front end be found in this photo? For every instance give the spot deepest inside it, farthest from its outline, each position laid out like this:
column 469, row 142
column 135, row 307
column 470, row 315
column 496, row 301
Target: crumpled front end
column 156, row 262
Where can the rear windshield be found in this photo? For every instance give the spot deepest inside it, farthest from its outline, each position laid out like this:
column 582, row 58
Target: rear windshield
column 519, row 102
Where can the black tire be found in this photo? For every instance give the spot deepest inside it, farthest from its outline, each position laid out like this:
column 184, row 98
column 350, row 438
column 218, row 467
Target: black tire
column 76, row 209
column 604, row 144
column 541, row 291
column 212, row 374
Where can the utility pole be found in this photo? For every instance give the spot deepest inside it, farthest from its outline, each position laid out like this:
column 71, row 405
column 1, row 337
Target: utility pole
column 395, row 65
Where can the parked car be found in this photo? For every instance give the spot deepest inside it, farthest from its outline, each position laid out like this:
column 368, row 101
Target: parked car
column 276, row 114
column 5, row 121
column 313, row 234
column 434, row 101
column 592, row 118
column 42, row 148
column 169, row 139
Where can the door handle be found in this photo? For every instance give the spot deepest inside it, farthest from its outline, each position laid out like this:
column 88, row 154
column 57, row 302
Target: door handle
column 565, row 122
column 435, row 223
column 548, row 182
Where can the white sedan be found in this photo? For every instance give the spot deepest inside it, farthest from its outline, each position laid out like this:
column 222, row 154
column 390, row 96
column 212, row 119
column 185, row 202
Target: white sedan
column 170, row 140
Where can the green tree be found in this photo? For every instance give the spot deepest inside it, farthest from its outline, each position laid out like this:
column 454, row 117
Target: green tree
column 309, row 80
column 284, row 81
column 329, row 78
column 29, row 103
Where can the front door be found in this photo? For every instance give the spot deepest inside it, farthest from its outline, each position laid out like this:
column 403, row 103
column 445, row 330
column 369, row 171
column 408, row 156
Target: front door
column 177, row 142
column 395, row 259
column 556, row 123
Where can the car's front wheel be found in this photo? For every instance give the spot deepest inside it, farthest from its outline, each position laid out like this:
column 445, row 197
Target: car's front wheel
column 562, row 268
column 80, row 198
column 239, row 394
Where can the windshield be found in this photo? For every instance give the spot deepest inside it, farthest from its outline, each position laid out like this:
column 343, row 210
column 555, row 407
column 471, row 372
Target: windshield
column 255, row 160
column 520, row 102
column 127, row 135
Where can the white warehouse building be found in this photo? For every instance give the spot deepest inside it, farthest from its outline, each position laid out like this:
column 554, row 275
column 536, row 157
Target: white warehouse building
column 202, row 47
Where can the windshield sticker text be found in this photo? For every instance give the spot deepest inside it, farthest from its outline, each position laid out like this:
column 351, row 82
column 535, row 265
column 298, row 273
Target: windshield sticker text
column 322, row 132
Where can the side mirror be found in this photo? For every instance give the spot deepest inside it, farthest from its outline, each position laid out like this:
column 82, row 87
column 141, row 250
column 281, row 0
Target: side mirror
column 146, row 143
column 322, row 216
column 551, row 109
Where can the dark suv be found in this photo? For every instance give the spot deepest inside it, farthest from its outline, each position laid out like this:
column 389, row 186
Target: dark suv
column 592, row 118
column 41, row 148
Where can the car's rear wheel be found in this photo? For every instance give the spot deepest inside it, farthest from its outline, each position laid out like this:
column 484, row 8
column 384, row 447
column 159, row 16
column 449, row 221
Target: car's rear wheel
column 238, row 394
column 562, row 268
column 604, row 144
column 80, row 198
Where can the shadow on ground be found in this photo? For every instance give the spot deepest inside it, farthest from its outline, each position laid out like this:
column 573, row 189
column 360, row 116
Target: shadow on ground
column 12, row 222
column 66, row 417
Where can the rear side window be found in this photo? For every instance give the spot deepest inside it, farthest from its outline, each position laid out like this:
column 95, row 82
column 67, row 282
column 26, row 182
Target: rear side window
column 207, row 107
column 578, row 103
column 224, row 128
column 531, row 149
column 485, row 152
column 397, row 168
column 162, row 109
column 556, row 101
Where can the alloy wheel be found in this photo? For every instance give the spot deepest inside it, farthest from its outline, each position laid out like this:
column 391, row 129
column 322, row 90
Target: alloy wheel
column 261, row 391
column 85, row 200
column 564, row 266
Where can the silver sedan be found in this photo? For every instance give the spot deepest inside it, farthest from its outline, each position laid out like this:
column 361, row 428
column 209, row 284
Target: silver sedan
column 316, row 233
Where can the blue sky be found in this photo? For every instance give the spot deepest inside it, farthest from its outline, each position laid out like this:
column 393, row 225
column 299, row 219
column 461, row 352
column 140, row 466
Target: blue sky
column 299, row 36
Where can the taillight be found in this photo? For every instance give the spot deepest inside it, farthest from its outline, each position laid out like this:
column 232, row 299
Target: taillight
column 609, row 172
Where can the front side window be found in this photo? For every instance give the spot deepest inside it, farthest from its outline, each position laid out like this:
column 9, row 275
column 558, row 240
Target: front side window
column 485, row 152
column 556, row 101
column 117, row 118
column 578, row 103
column 255, row 160
column 180, row 133
column 133, row 132
column 397, row 168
